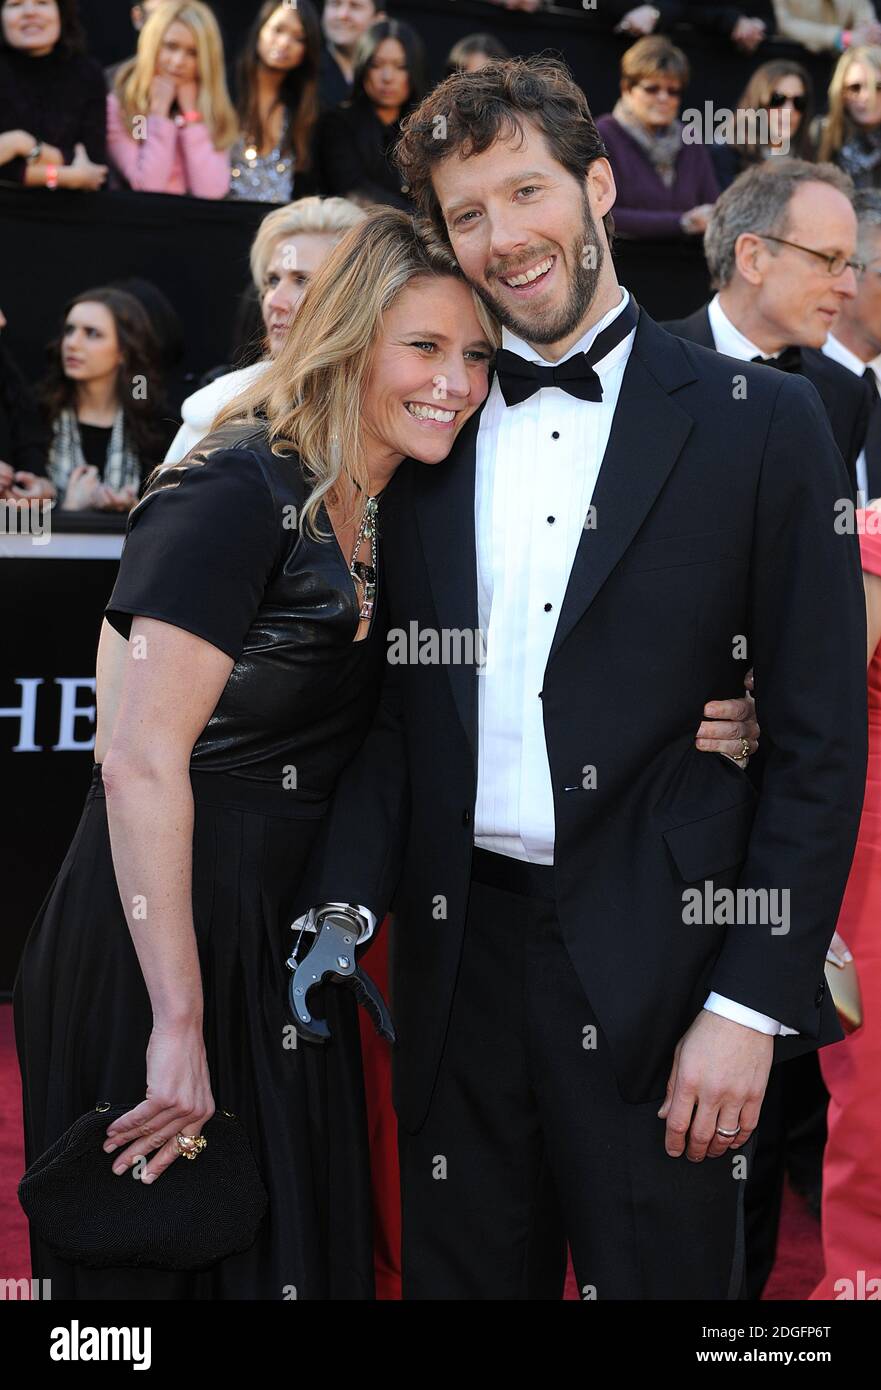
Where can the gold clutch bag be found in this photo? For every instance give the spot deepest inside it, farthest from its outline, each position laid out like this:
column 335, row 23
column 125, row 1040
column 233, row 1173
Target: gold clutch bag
column 844, row 986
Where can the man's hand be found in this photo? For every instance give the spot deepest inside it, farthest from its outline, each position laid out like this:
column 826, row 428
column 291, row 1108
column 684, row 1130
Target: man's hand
column 641, row 20
column 720, row 1067
column 747, row 34
column 729, row 721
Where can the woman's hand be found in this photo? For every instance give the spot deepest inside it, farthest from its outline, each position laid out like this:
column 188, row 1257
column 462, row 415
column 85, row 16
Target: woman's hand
column 82, row 484
column 28, row 486
column 179, row 1101
column 81, row 172
column 696, row 219
column 729, row 721
column 7, row 473
column 108, row 499
column 838, row 953
column 49, row 154
column 162, row 93
column 188, row 96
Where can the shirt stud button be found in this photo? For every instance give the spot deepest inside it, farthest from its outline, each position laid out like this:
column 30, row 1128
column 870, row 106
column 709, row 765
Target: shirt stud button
column 551, row 520
column 548, row 607
column 556, row 434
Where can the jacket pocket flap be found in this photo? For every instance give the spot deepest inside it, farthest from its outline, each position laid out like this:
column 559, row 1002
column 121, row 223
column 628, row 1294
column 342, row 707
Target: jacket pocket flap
column 674, row 551
column 704, row 847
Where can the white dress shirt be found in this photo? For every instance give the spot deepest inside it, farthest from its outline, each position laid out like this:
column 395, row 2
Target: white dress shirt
column 545, row 455
column 733, row 343
column 839, row 353
column 729, row 339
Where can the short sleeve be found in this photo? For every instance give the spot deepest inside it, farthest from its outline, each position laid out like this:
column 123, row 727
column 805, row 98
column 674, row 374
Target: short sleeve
column 869, row 531
column 199, row 552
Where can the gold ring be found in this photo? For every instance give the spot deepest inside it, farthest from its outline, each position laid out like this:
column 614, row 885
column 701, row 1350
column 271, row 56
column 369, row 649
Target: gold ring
column 190, row 1145
column 744, row 748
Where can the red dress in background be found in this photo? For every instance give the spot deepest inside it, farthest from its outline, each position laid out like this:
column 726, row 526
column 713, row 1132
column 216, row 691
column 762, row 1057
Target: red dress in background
column 851, row 1212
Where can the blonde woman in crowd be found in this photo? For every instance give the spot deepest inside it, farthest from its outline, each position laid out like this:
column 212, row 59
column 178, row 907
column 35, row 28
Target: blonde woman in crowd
column 850, row 135
column 290, row 246
column 170, row 121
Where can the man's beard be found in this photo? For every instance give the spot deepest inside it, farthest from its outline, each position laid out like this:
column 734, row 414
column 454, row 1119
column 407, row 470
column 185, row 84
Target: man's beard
column 547, row 325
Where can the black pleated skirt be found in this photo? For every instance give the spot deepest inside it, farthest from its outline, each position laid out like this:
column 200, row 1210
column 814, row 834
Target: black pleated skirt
column 83, row 1021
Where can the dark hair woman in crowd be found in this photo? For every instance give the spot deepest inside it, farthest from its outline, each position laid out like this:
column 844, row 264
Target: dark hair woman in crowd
column 52, row 103
column 103, row 398
column 474, row 52
column 356, row 140
column 666, row 187
column 778, row 100
column 277, row 104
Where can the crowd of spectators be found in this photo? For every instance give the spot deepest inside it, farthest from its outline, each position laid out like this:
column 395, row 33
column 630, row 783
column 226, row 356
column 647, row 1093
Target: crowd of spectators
column 303, row 114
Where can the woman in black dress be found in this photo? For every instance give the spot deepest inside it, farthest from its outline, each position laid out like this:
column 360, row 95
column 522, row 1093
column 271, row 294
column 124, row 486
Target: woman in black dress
column 249, row 676
column 356, row 139
column 52, row 99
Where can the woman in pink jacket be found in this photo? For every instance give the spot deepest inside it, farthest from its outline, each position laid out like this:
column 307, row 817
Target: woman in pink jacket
column 170, row 121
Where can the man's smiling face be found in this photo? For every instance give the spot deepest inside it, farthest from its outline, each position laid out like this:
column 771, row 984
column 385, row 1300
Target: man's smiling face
column 525, row 232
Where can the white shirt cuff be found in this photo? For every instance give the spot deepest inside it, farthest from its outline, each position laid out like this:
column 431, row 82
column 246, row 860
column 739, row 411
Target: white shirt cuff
column 739, row 1013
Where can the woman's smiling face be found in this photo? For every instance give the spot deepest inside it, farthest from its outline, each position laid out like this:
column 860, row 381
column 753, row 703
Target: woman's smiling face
column 430, row 371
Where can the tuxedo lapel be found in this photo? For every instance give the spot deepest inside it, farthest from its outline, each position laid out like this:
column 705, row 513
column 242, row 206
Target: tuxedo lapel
column 444, row 506
column 648, row 433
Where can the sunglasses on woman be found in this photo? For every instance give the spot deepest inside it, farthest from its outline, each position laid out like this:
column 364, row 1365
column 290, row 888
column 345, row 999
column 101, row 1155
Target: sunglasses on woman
column 778, row 99
column 652, row 89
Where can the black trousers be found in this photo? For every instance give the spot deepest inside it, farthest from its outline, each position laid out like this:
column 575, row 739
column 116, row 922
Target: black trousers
column 528, row 1145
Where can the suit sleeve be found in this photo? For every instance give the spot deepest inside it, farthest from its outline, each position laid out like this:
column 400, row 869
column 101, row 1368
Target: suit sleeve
column 808, row 643
column 360, row 852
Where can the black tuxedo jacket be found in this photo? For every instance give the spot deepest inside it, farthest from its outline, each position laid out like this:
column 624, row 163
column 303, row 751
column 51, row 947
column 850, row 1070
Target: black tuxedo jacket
column 708, row 527
column 847, row 399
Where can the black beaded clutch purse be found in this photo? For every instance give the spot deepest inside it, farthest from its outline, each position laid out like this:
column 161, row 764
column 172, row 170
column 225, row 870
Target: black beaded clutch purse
column 196, row 1213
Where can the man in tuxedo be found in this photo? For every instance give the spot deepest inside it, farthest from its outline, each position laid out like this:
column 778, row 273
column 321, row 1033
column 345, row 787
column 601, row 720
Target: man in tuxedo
column 775, row 237
column 855, row 341
column 582, row 1049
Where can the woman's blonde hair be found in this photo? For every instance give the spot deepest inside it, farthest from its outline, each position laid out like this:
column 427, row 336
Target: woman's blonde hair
column 306, row 216
column 132, row 83
column 838, row 126
column 311, row 397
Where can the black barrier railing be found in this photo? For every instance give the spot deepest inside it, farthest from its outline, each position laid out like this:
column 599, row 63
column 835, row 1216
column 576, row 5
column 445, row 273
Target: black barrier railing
column 57, row 244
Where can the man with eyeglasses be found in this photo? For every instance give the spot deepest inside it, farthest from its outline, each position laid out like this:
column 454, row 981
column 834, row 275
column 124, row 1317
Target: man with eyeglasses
column 856, row 340
column 780, row 250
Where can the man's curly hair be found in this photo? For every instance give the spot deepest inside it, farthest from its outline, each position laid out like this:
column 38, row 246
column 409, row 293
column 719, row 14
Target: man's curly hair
column 468, row 112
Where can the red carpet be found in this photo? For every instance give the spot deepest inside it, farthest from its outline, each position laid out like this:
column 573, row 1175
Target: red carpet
column 797, row 1271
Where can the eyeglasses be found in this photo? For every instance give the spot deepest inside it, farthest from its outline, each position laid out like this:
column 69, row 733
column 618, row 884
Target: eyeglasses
column 778, row 99
column 836, row 265
column 652, row 89
column 853, row 89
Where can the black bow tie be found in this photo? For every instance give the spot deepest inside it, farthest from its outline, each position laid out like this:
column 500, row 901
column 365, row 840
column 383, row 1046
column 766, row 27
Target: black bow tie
column 519, row 379
column 788, row 361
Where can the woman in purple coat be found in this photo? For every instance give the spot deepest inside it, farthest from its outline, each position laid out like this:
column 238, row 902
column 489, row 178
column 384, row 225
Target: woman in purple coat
column 666, row 185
